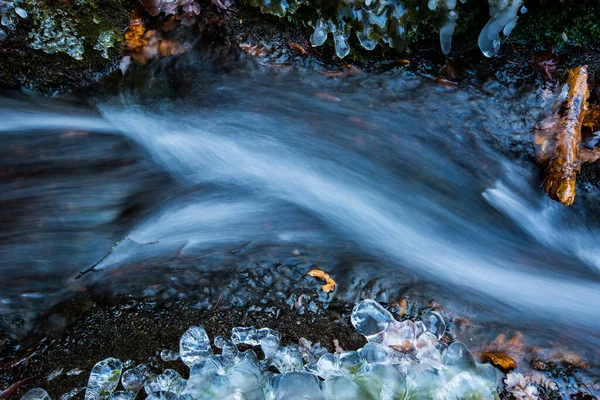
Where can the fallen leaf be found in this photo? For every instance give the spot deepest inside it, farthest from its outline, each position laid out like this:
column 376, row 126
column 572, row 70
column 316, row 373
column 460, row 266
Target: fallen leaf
column 253, row 49
column 500, row 360
column 298, row 48
column 329, row 285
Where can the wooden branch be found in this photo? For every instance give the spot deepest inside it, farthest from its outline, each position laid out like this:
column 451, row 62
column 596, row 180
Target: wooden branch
column 565, row 164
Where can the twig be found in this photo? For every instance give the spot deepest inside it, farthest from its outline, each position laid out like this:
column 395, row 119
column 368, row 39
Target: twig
column 92, row 268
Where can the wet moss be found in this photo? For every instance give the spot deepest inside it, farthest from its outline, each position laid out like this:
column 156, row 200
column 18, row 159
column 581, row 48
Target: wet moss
column 20, row 65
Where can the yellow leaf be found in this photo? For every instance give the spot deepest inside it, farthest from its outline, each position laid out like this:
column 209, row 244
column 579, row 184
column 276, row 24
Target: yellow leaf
column 329, row 285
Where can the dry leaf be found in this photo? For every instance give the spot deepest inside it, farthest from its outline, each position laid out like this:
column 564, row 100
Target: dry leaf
column 329, row 285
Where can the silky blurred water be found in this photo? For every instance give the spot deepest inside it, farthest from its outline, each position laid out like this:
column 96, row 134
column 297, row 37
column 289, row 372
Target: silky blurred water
column 417, row 178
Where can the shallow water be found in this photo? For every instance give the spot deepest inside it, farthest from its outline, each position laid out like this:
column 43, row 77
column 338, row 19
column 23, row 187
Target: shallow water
column 391, row 178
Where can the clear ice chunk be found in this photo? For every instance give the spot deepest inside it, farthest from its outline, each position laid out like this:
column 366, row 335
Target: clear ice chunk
column 502, row 13
column 435, row 324
column 327, row 365
column 269, row 345
column 288, row 359
column 133, row 379
column 168, row 396
column 20, row 12
column 72, row 393
column 375, row 353
column 459, row 355
column 228, row 349
column 36, row 394
column 121, row 395
column 169, row 355
column 296, row 386
column 245, row 335
column 319, row 35
column 340, row 387
column 370, row 318
column 104, row 379
column 446, row 32
column 194, row 345
column 168, row 381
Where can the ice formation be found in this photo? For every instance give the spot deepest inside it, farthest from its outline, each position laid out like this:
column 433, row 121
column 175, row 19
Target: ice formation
column 55, row 32
column 106, row 40
column 375, row 21
column 402, row 359
column 10, row 13
column 503, row 19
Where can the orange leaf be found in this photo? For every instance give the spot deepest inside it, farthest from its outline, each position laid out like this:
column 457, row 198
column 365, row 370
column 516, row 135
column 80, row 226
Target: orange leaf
column 329, row 285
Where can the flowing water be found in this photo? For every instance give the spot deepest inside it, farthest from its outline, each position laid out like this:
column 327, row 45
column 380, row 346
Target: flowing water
column 370, row 178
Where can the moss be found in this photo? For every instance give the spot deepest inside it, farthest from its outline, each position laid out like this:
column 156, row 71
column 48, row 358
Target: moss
column 23, row 66
column 554, row 21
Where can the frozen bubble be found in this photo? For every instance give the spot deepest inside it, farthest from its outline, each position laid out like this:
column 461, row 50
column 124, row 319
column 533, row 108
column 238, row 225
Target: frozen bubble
column 169, row 355
column 375, row 353
column 296, row 386
column 288, row 359
column 245, row 335
column 121, row 395
column 370, row 318
column 459, row 355
column 168, row 381
column 194, row 345
column 133, row 379
column 435, row 324
column 36, row 394
column 104, row 379
column 3, row 35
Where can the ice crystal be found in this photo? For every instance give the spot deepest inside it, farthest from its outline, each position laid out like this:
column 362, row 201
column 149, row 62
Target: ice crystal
column 106, row 40
column 54, row 32
column 385, row 21
column 402, row 359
